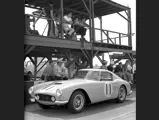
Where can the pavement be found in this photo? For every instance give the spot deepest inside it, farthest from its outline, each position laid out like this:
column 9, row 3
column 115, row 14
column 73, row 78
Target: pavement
column 107, row 110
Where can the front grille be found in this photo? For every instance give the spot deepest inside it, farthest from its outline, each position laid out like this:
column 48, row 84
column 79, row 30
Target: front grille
column 44, row 97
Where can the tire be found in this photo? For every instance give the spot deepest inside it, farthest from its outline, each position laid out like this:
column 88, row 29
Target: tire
column 121, row 95
column 77, row 102
column 44, row 106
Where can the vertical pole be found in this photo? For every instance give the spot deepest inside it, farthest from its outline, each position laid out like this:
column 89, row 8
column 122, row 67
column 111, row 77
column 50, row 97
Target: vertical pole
column 119, row 38
column 101, row 33
column 62, row 32
column 93, row 31
column 107, row 37
column 35, row 68
column 129, row 29
column 90, row 21
column 101, row 29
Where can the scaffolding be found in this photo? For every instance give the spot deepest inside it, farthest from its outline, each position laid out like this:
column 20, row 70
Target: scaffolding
column 76, row 52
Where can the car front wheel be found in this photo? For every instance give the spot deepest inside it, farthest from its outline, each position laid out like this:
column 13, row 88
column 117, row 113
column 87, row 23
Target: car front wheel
column 77, row 102
column 121, row 95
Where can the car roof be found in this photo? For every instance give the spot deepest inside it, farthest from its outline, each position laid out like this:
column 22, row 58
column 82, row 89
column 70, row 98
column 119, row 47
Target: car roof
column 93, row 69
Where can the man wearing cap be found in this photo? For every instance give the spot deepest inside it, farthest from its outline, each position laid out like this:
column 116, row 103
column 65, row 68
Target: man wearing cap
column 61, row 72
column 104, row 65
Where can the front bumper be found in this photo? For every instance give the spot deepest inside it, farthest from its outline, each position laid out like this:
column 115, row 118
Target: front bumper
column 48, row 102
column 129, row 93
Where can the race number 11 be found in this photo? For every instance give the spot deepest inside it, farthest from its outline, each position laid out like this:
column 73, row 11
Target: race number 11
column 108, row 89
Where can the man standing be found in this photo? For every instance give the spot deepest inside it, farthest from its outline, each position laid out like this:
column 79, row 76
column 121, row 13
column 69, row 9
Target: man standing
column 127, row 71
column 134, row 71
column 48, row 73
column 119, row 70
column 67, row 25
column 61, row 72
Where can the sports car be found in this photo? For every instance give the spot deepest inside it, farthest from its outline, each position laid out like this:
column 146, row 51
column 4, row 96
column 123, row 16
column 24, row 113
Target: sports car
column 87, row 87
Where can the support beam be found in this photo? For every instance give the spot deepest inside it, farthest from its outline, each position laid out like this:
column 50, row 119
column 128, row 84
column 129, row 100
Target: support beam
column 31, row 59
column 29, row 49
column 40, row 61
column 119, row 39
column 127, row 14
column 114, row 4
column 84, row 54
column 122, row 16
column 108, row 37
column 86, row 7
column 93, row 31
column 42, row 66
column 99, row 58
column 73, row 10
column 116, row 61
column 62, row 32
column 129, row 29
column 95, row 1
column 35, row 68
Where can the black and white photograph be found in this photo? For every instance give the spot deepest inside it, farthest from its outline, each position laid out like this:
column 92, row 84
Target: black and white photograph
column 80, row 60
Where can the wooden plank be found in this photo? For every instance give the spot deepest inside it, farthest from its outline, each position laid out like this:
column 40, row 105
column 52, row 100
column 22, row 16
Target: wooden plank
column 52, row 42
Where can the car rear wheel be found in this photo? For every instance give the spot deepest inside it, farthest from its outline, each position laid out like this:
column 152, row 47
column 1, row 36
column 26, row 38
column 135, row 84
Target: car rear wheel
column 44, row 106
column 77, row 102
column 121, row 95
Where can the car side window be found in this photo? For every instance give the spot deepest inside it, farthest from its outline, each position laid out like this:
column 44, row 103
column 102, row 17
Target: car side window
column 94, row 75
column 106, row 76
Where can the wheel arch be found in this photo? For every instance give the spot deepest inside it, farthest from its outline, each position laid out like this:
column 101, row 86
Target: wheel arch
column 88, row 101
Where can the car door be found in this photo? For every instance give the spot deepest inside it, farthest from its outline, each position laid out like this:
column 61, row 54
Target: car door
column 109, row 85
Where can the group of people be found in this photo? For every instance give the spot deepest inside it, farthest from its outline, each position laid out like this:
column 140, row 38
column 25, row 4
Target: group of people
column 126, row 71
column 71, row 27
column 74, row 27
column 55, row 71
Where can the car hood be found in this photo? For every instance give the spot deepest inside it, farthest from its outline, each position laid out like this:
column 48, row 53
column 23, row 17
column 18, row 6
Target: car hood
column 51, row 87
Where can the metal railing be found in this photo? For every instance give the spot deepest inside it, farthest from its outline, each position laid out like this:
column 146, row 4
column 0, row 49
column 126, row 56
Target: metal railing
column 108, row 38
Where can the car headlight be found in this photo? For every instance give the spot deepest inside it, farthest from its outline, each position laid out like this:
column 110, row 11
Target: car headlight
column 58, row 92
column 30, row 90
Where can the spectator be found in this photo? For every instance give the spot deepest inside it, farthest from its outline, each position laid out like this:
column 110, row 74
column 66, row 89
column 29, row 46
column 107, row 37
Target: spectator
column 28, row 28
column 66, row 25
column 134, row 71
column 79, row 26
column 104, row 65
column 119, row 70
column 61, row 72
column 127, row 71
column 48, row 73
column 110, row 68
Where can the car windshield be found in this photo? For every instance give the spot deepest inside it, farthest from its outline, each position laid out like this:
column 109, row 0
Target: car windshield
column 85, row 74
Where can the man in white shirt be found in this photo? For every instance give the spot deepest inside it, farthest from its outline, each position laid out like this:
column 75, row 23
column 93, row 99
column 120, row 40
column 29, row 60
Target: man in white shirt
column 60, row 70
column 67, row 24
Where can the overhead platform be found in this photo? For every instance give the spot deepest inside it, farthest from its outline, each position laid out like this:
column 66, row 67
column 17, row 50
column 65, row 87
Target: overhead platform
column 43, row 44
column 101, row 7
